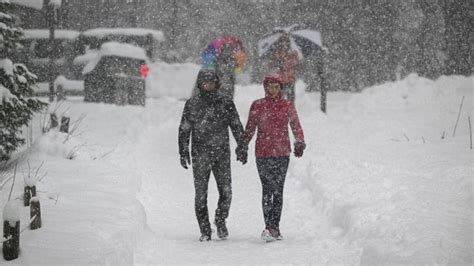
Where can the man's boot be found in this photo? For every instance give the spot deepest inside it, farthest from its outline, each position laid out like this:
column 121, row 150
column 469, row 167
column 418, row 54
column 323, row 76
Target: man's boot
column 222, row 231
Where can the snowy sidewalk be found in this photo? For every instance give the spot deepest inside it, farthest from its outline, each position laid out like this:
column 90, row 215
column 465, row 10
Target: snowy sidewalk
column 376, row 185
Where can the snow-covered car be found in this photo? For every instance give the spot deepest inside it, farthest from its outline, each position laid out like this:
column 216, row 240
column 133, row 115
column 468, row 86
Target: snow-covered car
column 36, row 49
column 89, row 42
column 116, row 75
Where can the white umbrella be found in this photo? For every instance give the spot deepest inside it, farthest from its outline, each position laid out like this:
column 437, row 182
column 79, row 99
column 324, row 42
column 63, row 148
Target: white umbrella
column 303, row 41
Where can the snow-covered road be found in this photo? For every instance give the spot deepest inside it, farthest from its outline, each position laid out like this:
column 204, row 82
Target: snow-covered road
column 377, row 185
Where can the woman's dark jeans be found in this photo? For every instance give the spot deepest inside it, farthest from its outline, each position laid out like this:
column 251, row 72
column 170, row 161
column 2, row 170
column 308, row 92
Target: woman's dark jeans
column 272, row 171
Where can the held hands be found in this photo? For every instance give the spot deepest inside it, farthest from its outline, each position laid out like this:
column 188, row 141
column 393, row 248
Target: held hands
column 299, row 148
column 241, row 152
column 185, row 159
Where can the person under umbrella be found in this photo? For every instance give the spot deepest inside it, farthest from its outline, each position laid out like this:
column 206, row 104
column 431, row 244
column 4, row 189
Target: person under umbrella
column 226, row 55
column 284, row 61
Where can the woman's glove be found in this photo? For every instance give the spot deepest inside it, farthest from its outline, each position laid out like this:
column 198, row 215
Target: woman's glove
column 299, row 148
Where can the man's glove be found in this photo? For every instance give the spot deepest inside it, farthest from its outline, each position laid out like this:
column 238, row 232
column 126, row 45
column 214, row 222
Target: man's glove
column 299, row 148
column 185, row 159
column 242, row 154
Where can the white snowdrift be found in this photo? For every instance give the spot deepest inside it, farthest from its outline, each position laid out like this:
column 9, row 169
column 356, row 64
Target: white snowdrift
column 377, row 184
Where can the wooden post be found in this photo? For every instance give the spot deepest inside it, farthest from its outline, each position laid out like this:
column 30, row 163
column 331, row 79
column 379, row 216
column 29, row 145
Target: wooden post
column 50, row 14
column 11, row 246
column 11, row 231
column 323, row 81
column 323, row 100
column 30, row 192
column 64, row 124
column 35, row 211
column 54, row 120
column 60, row 92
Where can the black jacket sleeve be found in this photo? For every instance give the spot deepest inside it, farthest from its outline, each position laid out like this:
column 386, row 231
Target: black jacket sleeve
column 184, row 132
column 235, row 124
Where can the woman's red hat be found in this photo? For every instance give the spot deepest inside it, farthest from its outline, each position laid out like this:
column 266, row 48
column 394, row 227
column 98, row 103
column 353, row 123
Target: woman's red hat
column 273, row 78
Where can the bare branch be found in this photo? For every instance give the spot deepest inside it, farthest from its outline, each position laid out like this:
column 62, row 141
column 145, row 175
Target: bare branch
column 73, row 151
column 75, row 126
column 29, row 168
column 405, row 135
column 41, row 178
column 37, row 170
column 459, row 114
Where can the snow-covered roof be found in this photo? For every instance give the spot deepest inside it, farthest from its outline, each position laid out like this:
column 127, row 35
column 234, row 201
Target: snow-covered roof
column 101, row 32
column 116, row 49
column 44, row 34
column 123, row 50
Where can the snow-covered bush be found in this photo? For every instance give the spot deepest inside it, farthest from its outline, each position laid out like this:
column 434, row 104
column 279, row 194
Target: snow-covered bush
column 16, row 108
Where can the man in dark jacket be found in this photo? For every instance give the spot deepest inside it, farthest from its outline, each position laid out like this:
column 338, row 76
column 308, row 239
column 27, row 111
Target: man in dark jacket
column 206, row 119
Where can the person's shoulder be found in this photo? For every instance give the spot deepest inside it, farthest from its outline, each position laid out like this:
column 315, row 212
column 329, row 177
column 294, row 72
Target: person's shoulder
column 224, row 100
column 283, row 102
column 258, row 102
column 193, row 100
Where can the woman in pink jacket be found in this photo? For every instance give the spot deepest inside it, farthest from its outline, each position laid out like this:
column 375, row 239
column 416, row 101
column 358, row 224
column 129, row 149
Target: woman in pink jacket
column 270, row 117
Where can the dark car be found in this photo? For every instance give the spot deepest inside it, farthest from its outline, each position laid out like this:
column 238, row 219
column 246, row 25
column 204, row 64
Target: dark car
column 116, row 75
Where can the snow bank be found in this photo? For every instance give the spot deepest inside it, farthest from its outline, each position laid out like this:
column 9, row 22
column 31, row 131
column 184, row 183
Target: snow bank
column 387, row 173
column 363, row 193
column 413, row 91
column 171, row 80
column 57, row 144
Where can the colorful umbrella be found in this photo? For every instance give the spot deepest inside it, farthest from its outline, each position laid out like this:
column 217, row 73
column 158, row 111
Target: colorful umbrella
column 303, row 41
column 213, row 50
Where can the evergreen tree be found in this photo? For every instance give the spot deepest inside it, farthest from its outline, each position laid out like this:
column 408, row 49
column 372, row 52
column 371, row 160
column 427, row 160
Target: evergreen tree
column 16, row 106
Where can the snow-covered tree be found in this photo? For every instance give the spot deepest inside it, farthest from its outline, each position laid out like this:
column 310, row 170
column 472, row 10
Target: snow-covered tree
column 16, row 106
